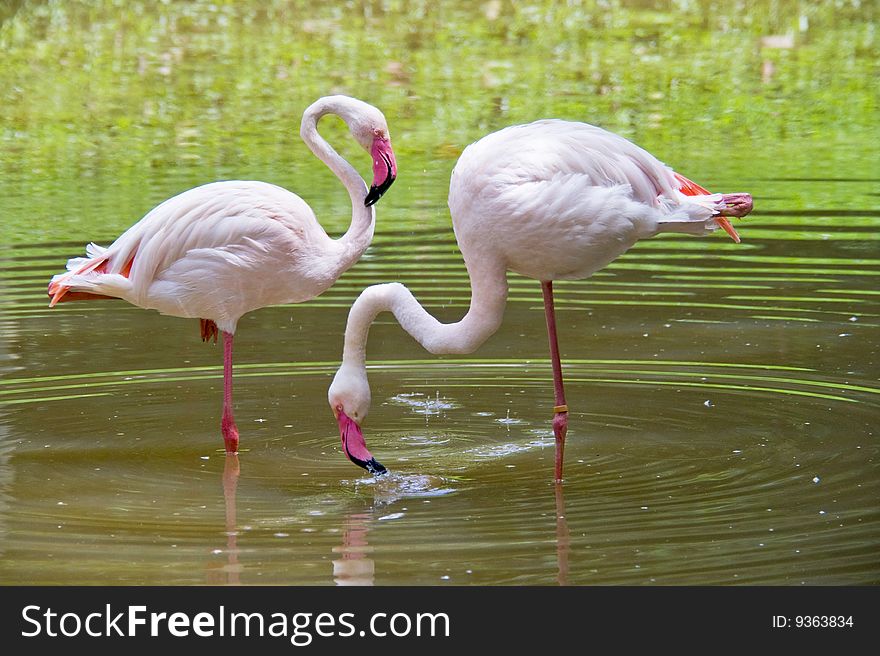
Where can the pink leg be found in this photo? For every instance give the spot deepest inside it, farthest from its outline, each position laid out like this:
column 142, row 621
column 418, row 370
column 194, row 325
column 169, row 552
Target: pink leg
column 227, row 425
column 560, row 419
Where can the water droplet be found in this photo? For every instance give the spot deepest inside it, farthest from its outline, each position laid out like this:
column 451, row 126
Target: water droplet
column 508, row 421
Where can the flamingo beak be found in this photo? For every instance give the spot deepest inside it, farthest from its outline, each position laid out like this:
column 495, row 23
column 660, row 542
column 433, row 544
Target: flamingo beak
column 384, row 169
column 355, row 447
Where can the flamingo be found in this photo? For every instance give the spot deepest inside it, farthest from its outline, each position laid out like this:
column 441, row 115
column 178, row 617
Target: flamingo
column 550, row 200
column 220, row 250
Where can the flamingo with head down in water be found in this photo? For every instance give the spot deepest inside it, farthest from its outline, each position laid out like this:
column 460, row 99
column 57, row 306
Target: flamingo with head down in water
column 551, row 200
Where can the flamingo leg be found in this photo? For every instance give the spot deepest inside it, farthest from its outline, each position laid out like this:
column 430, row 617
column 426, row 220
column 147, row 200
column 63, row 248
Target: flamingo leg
column 560, row 418
column 227, row 424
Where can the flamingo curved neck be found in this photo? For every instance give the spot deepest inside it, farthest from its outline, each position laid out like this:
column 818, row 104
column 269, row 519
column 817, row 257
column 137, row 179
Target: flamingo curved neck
column 360, row 231
column 483, row 318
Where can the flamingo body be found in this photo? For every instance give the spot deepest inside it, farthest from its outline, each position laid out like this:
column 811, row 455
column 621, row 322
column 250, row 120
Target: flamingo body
column 216, row 252
column 559, row 200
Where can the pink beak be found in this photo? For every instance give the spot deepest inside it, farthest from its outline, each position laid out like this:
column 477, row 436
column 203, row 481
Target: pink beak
column 355, row 447
column 384, row 169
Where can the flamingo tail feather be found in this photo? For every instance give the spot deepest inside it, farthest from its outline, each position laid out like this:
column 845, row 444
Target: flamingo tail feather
column 62, row 288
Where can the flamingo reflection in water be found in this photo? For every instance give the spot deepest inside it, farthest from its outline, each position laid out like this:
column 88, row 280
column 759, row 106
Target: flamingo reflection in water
column 353, row 564
column 229, row 573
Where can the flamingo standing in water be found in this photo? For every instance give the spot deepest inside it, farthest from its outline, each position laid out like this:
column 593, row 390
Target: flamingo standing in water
column 551, row 200
column 223, row 249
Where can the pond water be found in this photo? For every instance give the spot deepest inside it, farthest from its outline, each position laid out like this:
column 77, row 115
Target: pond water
column 724, row 398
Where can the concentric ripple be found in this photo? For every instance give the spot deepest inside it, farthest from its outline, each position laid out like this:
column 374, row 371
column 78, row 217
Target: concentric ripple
column 723, row 404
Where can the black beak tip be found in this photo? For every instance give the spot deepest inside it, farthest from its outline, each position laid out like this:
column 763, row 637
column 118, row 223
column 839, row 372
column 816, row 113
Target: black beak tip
column 372, row 196
column 372, row 465
column 376, row 191
column 375, row 467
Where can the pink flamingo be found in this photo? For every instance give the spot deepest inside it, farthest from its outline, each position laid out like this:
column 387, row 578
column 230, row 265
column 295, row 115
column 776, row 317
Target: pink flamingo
column 551, row 200
column 223, row 249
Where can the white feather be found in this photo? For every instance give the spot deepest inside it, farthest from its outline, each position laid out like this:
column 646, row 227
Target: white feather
column 225, row 248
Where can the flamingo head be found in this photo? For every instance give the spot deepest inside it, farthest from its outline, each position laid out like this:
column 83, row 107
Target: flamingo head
column 349, row 398
column 369, row 127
